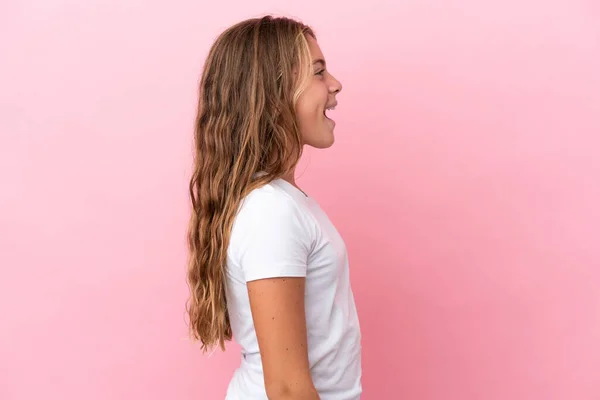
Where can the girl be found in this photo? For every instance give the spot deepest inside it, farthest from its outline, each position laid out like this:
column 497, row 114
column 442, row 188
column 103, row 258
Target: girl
column 266, row 266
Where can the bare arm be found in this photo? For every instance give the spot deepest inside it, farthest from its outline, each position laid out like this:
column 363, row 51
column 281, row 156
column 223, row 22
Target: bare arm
column 277, row 306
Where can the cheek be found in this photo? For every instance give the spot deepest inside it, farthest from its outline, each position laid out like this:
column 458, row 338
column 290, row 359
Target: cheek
column 313, row 100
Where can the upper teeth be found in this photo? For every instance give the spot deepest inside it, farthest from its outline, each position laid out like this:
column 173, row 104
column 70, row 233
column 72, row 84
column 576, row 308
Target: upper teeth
column 331, row 108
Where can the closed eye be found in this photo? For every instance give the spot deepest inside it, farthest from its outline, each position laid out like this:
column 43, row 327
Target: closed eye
column 320, row 72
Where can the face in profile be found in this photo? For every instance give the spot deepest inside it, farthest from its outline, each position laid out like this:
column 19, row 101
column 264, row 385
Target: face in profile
column 313, row 106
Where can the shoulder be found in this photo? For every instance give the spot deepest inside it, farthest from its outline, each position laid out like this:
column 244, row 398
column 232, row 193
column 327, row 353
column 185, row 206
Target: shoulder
column 271, row 235
column 270, row 207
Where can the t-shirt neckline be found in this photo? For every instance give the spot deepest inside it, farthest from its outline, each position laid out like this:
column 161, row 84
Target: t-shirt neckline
column 293, row 188
column 287, row 187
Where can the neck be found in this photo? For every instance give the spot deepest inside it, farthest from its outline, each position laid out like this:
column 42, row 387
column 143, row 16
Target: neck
column 290, row 177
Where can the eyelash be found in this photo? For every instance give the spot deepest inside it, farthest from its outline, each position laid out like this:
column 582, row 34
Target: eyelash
column 320, row 72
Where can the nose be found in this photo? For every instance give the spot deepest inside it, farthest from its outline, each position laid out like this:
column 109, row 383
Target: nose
column 335, row 86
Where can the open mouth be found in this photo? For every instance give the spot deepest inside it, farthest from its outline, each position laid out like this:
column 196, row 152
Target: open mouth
column 328, row 109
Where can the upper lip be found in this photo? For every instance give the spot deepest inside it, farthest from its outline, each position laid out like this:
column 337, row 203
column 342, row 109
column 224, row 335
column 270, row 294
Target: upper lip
column 331, row 105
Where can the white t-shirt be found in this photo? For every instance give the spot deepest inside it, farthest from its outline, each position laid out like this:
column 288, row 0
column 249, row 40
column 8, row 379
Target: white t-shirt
column 279, row 231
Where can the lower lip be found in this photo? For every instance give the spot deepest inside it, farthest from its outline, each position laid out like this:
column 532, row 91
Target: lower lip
column 330, row 121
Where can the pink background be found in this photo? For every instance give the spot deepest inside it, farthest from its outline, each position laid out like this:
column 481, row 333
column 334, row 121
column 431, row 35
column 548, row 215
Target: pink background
column 465, row 180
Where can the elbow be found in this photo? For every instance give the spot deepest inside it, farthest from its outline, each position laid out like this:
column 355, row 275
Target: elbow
column 291, row 391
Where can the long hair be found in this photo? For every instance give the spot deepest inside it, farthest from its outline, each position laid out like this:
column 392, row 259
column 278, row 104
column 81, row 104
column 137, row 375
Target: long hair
column 246, row 123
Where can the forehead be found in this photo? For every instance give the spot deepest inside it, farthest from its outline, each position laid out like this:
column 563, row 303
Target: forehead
column 315, row 50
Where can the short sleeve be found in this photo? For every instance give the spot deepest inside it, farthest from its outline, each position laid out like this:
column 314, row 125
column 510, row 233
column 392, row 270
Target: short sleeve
column 270, row 237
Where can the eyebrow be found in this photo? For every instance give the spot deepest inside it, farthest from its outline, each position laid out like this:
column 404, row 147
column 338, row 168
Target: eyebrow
column 319, row 60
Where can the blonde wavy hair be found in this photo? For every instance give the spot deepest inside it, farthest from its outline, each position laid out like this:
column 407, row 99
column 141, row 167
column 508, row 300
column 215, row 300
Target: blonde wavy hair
column 246, row 123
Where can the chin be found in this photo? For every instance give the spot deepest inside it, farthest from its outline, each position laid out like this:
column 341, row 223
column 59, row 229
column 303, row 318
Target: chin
column 322, row 144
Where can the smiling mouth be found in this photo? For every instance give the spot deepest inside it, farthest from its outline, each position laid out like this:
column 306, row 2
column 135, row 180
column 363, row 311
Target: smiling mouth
column 329, row 121
column 328, row 109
